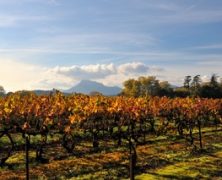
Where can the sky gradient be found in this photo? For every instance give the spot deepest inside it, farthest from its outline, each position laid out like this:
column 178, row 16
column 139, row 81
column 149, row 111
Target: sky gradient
column 47, row 44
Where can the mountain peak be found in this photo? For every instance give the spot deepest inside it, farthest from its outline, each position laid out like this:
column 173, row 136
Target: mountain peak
column 88, row 86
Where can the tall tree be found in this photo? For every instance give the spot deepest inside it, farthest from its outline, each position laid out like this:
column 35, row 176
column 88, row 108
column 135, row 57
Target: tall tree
column 165, row 89
column 143, row 86
column 213, row 81
column 149, row 86
column 195, row 86
column 131, row 88
column 187, row 81
column 216, row 91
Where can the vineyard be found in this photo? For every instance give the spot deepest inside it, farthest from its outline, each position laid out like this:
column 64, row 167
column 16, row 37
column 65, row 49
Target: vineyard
column 81, row 124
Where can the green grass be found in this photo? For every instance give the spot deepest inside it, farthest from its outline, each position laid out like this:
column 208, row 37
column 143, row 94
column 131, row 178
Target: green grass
column 205, row 167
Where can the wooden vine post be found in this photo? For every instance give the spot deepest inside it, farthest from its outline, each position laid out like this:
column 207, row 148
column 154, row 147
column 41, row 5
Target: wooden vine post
column 132, row 166
column 132, row 151
column 27, row 156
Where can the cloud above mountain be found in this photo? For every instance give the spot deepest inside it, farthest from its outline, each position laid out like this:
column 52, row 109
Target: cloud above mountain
column 109, row 74
column 18, row 75
column 29, row 76
column 85, row 71
column 97, row 71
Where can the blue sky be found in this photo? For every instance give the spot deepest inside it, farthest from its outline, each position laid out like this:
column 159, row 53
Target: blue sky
column 48, row 44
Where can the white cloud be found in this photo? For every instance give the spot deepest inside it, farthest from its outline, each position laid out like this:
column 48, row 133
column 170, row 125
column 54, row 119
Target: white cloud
column 85, row 71
column 133, row 68
column 205, row 78
column 17, row 75
column 108, row 74
column 99, row 71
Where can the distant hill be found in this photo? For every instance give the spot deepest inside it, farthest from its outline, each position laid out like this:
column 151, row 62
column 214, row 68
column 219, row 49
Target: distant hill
column 86, row 87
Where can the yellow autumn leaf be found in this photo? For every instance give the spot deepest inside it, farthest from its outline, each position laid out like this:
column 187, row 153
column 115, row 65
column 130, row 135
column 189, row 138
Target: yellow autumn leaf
column 7, row 110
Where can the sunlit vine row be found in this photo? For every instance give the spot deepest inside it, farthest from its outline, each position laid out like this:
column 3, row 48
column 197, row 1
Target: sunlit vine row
column 116, row 117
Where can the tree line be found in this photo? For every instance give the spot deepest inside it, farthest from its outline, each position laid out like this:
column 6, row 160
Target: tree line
column 192, row 87
column 151, row 86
